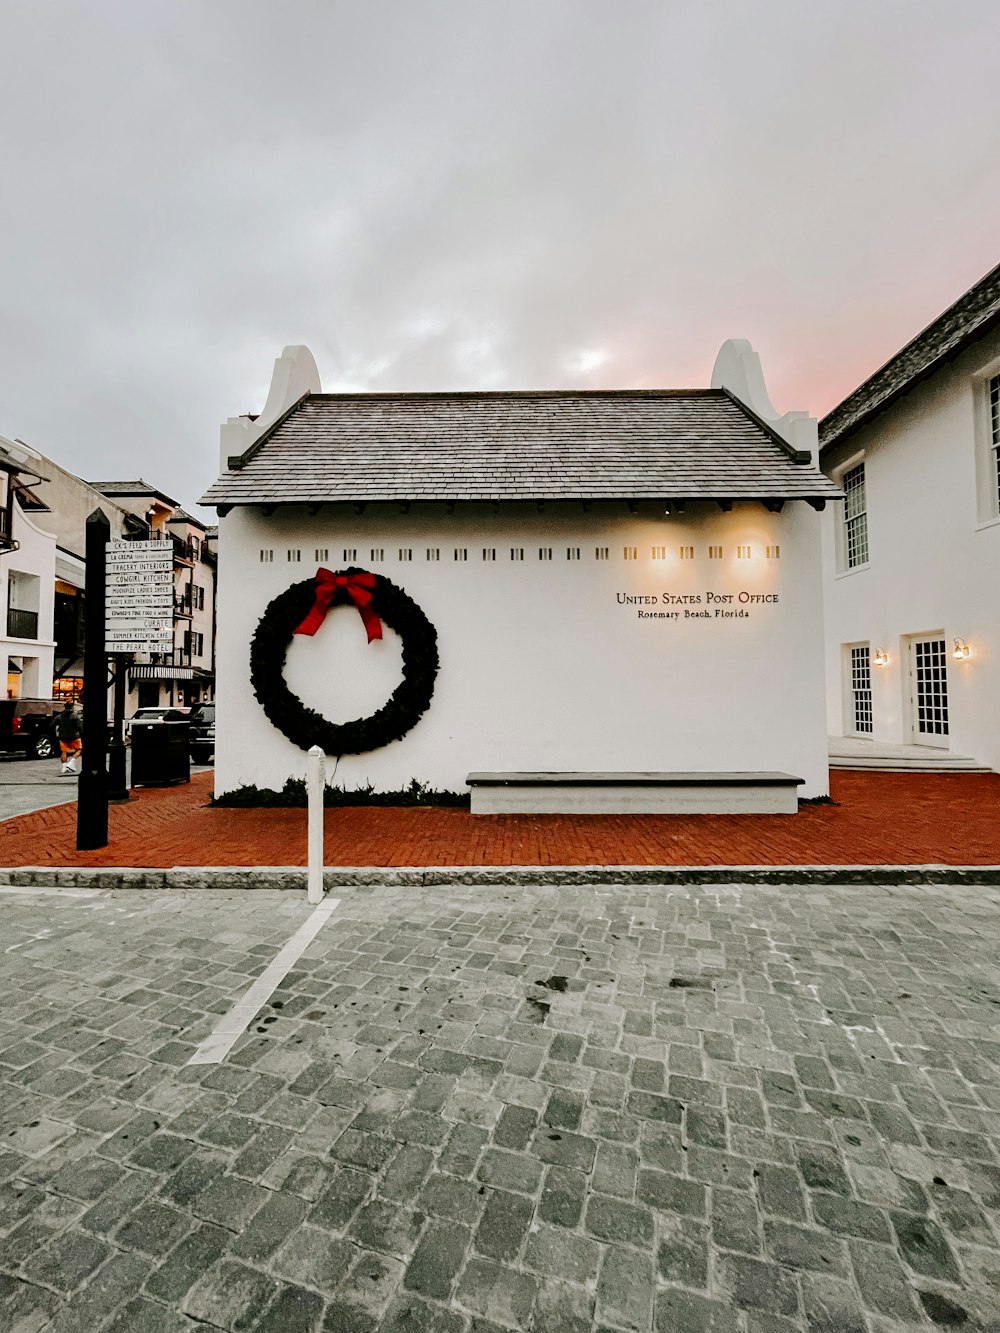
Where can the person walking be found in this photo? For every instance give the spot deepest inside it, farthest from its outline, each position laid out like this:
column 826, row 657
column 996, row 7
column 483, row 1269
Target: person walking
column 69, row 733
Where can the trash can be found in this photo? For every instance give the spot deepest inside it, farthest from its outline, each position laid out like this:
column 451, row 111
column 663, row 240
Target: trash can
column 160, row 753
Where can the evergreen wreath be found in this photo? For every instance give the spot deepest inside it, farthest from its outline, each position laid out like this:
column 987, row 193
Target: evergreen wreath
column 305, row 727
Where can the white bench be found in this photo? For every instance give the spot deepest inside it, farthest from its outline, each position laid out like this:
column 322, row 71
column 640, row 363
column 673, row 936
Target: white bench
column 633, row 793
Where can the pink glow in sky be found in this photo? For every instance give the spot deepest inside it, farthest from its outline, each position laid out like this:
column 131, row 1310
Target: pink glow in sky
column 510, row 193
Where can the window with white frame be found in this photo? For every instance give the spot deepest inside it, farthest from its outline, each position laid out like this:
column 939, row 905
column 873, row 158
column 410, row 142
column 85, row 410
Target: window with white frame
column 855, row 517
column 861, row 689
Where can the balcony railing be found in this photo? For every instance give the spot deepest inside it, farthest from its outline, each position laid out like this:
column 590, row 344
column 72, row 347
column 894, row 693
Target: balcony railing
column 183, row 550
column 22, row 624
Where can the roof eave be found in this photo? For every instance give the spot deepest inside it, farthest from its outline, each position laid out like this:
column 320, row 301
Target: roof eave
column 236, row 462
column 228, row 502
column 979, row 331
column 796, row 455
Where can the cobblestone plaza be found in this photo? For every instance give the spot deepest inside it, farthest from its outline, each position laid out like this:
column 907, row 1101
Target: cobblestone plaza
column 733, row 1110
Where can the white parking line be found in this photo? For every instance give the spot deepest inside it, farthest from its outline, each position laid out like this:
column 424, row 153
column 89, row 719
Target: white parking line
column 231, row 1027
column 54, row 890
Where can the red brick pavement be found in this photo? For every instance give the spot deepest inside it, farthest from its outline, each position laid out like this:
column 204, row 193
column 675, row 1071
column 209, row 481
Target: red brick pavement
column 879, row 819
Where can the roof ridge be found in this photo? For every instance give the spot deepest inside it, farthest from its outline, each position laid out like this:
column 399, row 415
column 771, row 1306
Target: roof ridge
column 422, row 395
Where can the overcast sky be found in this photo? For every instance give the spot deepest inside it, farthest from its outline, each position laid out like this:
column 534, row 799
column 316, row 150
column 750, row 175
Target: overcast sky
column 471, row 194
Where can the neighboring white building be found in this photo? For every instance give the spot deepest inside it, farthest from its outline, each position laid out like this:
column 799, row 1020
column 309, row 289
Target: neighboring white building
column 27, row 579
column 912, row 559
column 62, row 505
column 619, row 581
column 194, row 605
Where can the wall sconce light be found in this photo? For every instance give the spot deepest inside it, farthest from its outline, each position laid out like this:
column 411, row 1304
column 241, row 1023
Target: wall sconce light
column 881, row 657
column 961, row 649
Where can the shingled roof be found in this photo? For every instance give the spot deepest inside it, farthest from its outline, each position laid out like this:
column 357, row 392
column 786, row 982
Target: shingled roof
column 972, row 316
column 698, row 444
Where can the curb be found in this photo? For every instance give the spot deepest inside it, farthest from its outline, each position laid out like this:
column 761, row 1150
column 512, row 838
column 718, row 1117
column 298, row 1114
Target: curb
column 245, row 878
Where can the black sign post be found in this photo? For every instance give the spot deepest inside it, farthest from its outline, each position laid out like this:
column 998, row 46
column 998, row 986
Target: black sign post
column 92, row 800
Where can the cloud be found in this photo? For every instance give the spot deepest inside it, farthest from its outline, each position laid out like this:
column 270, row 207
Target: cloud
column 443, row 194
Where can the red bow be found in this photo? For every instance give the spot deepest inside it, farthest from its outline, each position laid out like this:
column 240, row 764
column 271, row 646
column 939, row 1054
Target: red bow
column 358, row 587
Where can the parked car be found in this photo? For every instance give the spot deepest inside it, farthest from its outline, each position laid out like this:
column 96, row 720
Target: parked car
column 155, row 715
column 202, row 719
column 27, row 727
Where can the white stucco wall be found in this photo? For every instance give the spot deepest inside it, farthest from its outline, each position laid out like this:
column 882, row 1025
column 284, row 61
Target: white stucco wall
column 36, row 558
column 541, row 666
column 934, row 557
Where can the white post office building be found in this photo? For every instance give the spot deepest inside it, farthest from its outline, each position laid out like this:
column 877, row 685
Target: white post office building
column 912, row 558
column 618, row 589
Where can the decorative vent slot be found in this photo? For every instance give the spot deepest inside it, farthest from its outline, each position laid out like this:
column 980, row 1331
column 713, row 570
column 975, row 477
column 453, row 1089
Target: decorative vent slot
column 406, row 553
column 461, row 553
column 377, row 554
column 489, row 552
column 601, row 552
column 322, row 554
column 294, row 555
column 687, row 552
column 434, row 553
column 266, row 556
column 572, row 553
column 773, row 552
column 545, row 552
column 715, row 553
column 631, row 553
column 517, row 553
column 659, row 553
column 743, row 553
column 350, row 554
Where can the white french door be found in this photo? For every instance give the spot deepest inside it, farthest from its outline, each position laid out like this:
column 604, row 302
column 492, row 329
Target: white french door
column 860, row 720
column 929, row 691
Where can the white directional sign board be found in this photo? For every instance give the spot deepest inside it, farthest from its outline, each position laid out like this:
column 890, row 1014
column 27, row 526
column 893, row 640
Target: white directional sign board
column 139, row 597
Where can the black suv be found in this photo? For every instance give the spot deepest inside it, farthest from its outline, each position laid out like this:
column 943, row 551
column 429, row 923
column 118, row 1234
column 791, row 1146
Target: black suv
column 27, row 727
column 202, row 724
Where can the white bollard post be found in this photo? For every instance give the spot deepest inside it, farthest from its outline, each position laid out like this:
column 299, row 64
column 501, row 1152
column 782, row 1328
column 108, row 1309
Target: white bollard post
column 315, row 783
